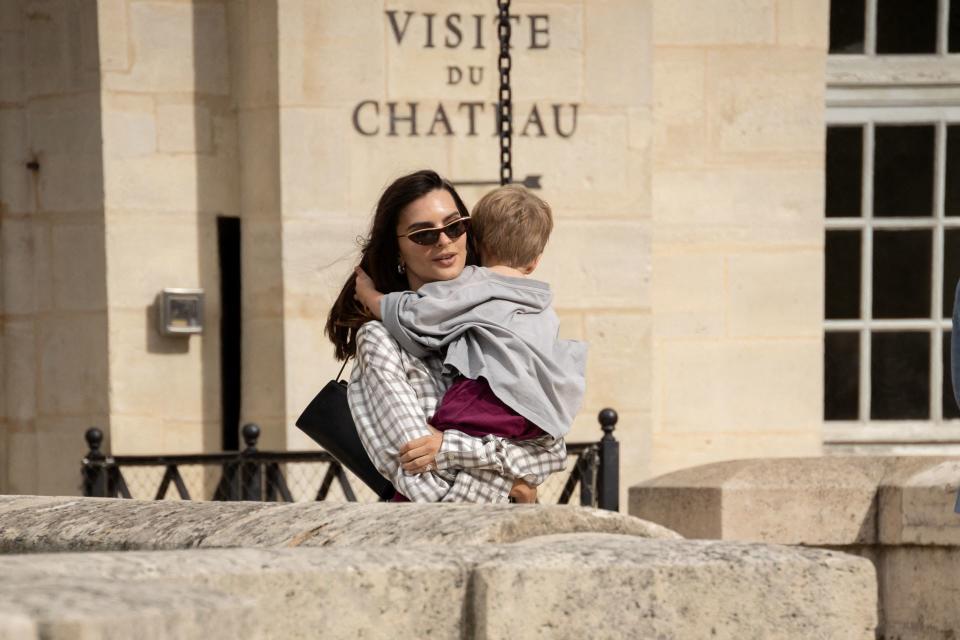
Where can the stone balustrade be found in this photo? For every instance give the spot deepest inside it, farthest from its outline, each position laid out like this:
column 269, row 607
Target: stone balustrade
column 252, row 570
column 896, row 511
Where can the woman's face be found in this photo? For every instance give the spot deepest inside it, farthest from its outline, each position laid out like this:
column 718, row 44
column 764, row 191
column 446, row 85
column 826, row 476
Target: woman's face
column 443, row 260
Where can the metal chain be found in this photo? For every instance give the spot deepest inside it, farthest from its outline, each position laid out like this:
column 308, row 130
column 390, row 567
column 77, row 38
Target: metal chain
column 505, row 103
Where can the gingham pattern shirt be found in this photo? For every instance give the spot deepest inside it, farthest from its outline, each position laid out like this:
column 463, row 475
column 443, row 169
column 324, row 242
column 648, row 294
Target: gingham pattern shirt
column 392, row 396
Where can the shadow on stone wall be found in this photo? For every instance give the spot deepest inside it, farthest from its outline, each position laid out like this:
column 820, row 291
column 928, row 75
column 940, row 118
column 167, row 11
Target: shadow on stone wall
column 52, row 238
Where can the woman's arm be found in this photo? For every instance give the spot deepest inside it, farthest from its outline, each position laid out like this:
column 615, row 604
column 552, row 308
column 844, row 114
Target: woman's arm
column 385, row 400
column 529, row 460
column 418, row 456
column 419, row 320
column 429, row 319
column 387, row 411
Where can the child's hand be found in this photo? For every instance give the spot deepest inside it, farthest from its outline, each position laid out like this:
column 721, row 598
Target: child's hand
column 523, row 493
column 367, row 293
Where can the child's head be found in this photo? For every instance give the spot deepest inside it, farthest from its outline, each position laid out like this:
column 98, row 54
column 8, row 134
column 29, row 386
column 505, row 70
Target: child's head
column 511, row 226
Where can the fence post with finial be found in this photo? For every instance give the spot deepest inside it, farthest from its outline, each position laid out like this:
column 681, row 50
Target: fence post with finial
column 94, row 465
column 608, row 481
column 250, row 483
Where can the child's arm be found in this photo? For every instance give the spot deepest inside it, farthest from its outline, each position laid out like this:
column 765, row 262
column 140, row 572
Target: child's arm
column 367, row 293
column 420, row 322
column 427, row 320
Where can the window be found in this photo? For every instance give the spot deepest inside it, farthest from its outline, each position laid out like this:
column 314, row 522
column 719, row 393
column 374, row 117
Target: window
column 892, row 225
column 892, row 258
column 892, row 27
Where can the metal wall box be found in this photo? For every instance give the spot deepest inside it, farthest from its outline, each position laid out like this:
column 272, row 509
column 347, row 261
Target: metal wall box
column 180, row 312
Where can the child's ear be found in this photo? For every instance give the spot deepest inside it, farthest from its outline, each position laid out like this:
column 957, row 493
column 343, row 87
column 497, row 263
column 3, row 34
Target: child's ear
column 530, row 268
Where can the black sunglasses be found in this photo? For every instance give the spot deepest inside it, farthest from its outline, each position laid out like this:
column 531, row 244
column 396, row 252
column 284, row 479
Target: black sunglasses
column 427, row 237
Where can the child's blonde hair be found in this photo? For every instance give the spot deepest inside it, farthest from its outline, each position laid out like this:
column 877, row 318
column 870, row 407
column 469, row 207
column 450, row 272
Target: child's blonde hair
column 511, row 226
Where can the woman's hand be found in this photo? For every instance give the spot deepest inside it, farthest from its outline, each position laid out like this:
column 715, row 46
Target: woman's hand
column 367, row 294
column 420, row 455
column 523, row 493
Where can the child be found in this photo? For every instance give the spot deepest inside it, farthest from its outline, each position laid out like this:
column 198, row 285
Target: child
column 516, row 379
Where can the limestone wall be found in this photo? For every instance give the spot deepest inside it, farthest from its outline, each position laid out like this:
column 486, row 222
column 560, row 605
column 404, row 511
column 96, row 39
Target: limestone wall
column 53, row 303
column 899, row 512
column 737, row 256
column 678, row 141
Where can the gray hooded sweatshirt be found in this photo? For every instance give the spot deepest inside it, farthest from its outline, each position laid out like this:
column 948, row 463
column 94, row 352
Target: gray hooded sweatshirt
column 502, row 329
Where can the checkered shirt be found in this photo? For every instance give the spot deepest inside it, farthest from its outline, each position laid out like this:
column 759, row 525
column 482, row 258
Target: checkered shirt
column 392, row 396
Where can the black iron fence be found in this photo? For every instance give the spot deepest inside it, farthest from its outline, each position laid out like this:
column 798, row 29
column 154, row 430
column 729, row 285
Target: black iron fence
column 250, row 474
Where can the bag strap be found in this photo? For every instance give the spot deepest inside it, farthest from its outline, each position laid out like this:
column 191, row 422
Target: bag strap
column 342, row 368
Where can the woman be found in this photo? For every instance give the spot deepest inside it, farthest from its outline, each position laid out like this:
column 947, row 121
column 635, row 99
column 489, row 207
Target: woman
column 419, row 235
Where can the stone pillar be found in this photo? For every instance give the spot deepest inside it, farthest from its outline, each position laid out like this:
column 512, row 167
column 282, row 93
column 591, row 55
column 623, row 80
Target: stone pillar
column 331, row 56
column 11, row 150
column 599, row 261
column 256, row 76
column 737, row 174
column 54, row 352
column 170, row 168
column 127, row 109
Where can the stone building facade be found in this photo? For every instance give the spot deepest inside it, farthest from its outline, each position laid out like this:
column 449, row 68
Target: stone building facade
column 680, row 142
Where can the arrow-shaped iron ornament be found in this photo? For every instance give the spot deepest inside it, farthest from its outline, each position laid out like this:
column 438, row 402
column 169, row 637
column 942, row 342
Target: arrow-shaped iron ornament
column 530, row 182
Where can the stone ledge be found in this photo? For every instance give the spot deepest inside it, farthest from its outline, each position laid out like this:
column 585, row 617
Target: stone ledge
column 896, row 511
column 80, row 607
column 16, row 625
column 284, row 593
column 919, row 591
column 672, row 589
column 916, row 507
column 812, row 501
column 29, row 524
column 557, row 586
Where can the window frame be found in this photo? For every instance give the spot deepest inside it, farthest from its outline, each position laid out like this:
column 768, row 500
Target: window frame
column 869, row 90
column 870, row 34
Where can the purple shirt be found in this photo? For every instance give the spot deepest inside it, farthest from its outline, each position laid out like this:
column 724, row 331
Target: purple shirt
column 470, row 406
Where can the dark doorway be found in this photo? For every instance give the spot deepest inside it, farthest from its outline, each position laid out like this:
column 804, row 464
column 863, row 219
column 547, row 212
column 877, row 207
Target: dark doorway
column 228, row 242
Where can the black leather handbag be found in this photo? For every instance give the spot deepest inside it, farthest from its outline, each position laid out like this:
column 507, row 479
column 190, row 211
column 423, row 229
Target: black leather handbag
column 328, row 421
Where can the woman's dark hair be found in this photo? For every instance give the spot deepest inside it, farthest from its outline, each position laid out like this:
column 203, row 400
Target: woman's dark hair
column 381, row 255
